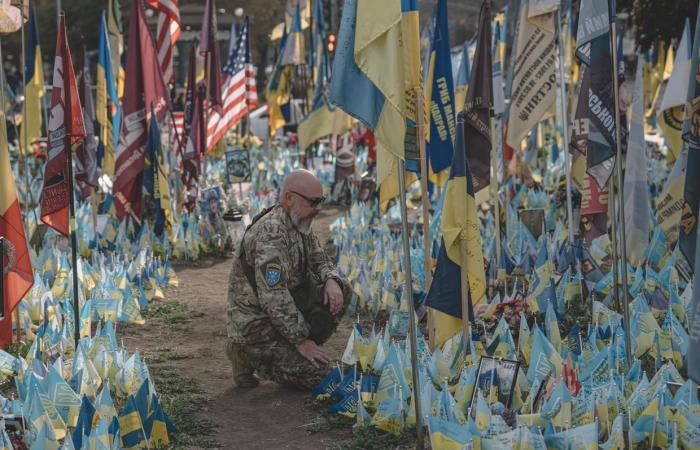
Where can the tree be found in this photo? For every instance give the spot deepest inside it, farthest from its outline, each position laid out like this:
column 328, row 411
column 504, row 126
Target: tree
column 659, row 20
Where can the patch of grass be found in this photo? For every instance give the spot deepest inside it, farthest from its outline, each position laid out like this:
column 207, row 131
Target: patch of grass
column 182, row 399
column 164, row 354
column 367, row 437
column 171, row 311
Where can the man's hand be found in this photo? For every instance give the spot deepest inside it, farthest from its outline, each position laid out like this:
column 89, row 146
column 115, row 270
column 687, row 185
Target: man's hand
column 333, row 296
column 312, row 352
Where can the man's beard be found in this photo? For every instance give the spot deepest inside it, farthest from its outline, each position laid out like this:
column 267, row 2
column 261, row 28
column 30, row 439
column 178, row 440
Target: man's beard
column 303, row 225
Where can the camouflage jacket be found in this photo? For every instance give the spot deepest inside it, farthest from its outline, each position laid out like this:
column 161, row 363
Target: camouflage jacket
column 273, row 259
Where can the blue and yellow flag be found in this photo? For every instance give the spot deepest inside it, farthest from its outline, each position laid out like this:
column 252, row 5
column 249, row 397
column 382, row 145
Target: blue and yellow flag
column 116, row 43
column 34, row 88
column 130, row 426
column 462, row 78
column 377, row 74
column 294, row 52
column 460, row 226
column 108, row 110
column 440, row 105
column 278, row 90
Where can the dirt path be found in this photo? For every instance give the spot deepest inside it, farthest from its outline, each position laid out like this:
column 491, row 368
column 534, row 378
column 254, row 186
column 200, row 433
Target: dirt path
column 183, row 343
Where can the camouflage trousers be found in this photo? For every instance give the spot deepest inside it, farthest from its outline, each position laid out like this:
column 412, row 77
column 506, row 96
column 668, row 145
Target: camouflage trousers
column 274, row 358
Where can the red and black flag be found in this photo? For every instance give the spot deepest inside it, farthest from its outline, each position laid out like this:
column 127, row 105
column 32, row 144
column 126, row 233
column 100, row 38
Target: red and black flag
column 65, row 128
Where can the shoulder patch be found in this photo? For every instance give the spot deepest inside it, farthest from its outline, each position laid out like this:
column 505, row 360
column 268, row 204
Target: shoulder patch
column 273, row 274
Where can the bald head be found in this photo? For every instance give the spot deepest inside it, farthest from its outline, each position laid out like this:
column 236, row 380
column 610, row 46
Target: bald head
column 301, row 198
column 303, row 182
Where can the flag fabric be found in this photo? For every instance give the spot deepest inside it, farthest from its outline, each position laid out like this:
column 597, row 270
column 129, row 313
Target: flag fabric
column 294, row 52
column 196, row 142
column 670, row 115
column 130, row 425
column 691, row 137
column 209, row 48
column 108, row 110
column 116, row 42
column 477, row 128
column 86, row 154
column 462, row 78
column 378, row 57
column 278, row 90
column 459, row 221
column 18, row 277
column 155, row 180
column 534, row 74
column 239, row 92
column 167, row 33
column 66, row 127
column 636, row 187
column 145, row 88
column 593, row 49
column 33, row 88
column 439, row 96
column 669, row 205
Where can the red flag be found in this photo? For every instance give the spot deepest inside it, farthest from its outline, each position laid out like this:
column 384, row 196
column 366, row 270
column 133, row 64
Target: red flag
column 209, row 47
column 143, row 87
column 66, row 127
column 17, row 267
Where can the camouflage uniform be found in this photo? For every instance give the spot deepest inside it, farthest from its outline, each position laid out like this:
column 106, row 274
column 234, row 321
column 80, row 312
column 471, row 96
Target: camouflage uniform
column 276, row 301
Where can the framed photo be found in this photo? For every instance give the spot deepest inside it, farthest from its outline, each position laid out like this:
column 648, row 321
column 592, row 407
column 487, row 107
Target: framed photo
column 500, row 374
column 238, row 165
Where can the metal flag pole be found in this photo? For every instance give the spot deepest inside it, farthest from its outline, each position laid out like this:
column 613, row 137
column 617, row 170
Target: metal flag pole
column 619, row 192
column 494, row 187
column 425, row 200
column 565, row 128
column 408, row 286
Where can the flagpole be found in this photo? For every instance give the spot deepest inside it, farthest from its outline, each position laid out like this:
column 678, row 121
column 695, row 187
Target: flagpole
column 464, row 290
column 494, row 187
column 408, row 287
column 425, row 200
column 565, row 128
column 619, row 191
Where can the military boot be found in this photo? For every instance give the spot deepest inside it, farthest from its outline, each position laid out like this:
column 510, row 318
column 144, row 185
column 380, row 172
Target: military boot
column 243, row 371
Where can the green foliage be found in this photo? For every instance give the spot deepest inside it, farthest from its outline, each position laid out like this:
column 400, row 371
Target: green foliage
column 658, row 20
column 182, row 400
column 368, row 437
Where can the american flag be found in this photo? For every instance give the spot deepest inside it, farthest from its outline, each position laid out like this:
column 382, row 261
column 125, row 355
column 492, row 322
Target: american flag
column 239, row 91
column 167, row 33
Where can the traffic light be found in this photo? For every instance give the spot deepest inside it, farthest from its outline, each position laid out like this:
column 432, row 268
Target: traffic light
column 331, row 43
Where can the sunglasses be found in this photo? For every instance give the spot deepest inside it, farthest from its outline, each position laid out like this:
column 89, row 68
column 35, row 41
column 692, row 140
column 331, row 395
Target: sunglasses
column 313, row 202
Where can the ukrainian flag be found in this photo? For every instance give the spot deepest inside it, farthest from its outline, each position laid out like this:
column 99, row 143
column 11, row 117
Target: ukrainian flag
column 459, row 222
column 278, row 90
column 377, row 74
column 462, row 81
column 439, row 96
column 34, row 88
column 324, row 118
column 106, row 93
column 295, row 51
column 116, row 43
column 130, row 426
